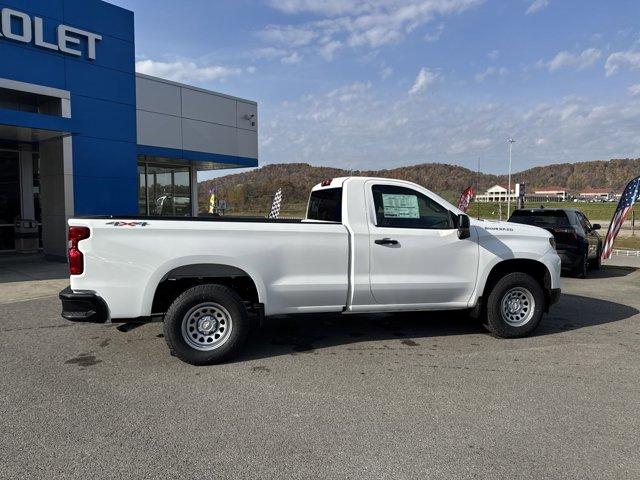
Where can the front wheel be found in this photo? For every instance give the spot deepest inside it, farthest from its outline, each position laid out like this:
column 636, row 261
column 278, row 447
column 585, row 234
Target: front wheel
column 515, row 306
column 206, row 324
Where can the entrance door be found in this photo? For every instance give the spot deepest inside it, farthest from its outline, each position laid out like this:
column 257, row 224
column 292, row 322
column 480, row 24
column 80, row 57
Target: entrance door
column 9, row 197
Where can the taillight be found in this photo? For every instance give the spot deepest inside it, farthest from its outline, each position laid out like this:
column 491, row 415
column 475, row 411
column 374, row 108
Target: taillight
column 569, row 231
column 325, row 183
column 76, row 259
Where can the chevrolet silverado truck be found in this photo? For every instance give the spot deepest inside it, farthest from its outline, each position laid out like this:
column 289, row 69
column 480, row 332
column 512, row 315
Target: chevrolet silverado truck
column 366, row 245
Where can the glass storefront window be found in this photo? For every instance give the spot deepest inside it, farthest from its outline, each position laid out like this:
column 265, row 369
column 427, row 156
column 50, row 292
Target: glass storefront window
column 165, row 190
column 142, row 190
column 9, row 197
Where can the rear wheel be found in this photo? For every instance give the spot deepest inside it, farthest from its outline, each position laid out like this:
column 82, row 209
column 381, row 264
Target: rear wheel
column 582, row 269
column 206, row 324
column 515, row 306
column 596, row 263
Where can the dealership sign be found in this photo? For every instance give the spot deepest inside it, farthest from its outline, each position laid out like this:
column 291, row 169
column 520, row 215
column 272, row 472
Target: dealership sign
column 23, row 28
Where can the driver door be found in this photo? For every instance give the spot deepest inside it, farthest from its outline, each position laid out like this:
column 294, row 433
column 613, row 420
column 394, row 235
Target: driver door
column 416, row 257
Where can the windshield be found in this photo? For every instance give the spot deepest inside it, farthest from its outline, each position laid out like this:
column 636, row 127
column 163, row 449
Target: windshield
column 539, row 218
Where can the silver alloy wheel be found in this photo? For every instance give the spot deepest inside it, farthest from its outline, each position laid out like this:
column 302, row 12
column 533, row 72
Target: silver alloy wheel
column 206, row 326
column 518, row 306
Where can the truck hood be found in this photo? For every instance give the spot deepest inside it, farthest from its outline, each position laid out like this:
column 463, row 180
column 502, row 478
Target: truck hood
column 508, row 229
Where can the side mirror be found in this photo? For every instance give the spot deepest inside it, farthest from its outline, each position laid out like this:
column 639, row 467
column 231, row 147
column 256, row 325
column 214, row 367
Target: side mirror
column 596, row 226
column 464, row 227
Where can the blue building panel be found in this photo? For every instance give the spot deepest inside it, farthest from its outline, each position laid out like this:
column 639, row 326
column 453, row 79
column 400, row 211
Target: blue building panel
column 16, row 118
column 103, row 119
column 29, row 65
column 193, row 156
column 104, row 158
column 103, row 195
column 111, row 53
column 101, row 17
column 100, row 83
column 53, row 9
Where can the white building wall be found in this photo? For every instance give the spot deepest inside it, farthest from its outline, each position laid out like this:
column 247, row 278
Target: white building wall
column 172, row 115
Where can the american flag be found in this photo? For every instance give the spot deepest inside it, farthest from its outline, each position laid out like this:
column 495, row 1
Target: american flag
column 628, row 199
column 465, row 199
column 277, row 203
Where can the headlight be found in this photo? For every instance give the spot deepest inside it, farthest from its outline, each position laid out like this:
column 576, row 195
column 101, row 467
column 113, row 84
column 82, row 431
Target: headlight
column 552, row 241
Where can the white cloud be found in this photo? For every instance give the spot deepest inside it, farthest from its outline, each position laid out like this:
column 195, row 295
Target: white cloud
column 187, row 71
column 269, row 53
column 579, row 61
column 537, row 5
column 423, row 81
column 358, row 23
column 323, row 7
column 327, row 50
column 367, row 128
column 619, row 60
column 386, row 72
column 291, row 59
column 493, row 54
column 288, row 35
column 634, row 89
column 435, row 35
column 490, row 72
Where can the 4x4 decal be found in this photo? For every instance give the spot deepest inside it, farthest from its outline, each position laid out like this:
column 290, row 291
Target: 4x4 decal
column 128, row 224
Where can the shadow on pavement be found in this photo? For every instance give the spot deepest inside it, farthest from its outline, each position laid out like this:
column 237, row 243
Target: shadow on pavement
column 611, row 271
column 607, row 271
column 290, row 335
column 575, row 311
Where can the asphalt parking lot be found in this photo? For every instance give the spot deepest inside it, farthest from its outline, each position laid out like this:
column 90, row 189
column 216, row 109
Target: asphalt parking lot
column 394, row 396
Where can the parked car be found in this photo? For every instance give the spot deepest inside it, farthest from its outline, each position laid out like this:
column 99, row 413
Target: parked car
column 577, row 241
column 366, row 245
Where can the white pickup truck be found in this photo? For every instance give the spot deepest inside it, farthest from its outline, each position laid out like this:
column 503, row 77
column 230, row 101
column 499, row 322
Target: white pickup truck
column 366, row 245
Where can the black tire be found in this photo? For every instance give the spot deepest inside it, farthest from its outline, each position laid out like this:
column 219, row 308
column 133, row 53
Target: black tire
column 206, row 303
column 582, row 269
column 516, row 283
column 596, row 263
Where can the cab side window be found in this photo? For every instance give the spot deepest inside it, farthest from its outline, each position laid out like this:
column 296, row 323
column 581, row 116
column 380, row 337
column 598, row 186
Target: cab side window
column 400, row 207
column 584, row 223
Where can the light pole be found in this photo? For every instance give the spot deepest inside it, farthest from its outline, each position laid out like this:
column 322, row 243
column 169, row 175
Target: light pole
column 511, row 142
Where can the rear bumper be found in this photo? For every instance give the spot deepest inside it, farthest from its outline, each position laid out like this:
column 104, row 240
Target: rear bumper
column 83, row 307
column 570, row 259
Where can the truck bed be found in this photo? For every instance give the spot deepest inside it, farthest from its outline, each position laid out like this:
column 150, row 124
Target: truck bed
column 298, row 263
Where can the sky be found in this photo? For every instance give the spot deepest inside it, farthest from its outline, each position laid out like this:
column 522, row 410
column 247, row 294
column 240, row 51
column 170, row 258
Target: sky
column 373, row 84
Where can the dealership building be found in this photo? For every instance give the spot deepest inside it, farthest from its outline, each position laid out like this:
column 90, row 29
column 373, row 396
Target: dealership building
column 82, row 134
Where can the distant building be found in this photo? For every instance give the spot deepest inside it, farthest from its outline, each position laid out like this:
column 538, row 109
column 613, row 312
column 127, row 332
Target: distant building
column 548, row 194
column 497, row 193
column 601, row 194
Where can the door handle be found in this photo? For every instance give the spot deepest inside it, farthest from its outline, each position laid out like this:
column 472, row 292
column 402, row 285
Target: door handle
column 387, row 241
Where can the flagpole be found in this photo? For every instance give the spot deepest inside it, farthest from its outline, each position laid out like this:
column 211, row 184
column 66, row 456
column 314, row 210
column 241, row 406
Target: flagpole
column 478, row 189
column 511, row 142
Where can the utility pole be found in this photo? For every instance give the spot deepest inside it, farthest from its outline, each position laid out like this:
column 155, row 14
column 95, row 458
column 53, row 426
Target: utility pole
column 511, row 142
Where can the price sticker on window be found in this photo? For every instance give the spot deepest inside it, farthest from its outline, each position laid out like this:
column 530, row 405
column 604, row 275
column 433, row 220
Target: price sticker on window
column 400, row 206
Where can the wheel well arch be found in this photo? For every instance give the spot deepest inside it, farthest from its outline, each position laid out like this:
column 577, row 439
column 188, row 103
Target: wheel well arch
column 176, row 281
column 535, row 268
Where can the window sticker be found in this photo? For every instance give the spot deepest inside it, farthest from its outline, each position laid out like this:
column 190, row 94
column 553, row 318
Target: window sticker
column 400, row 206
